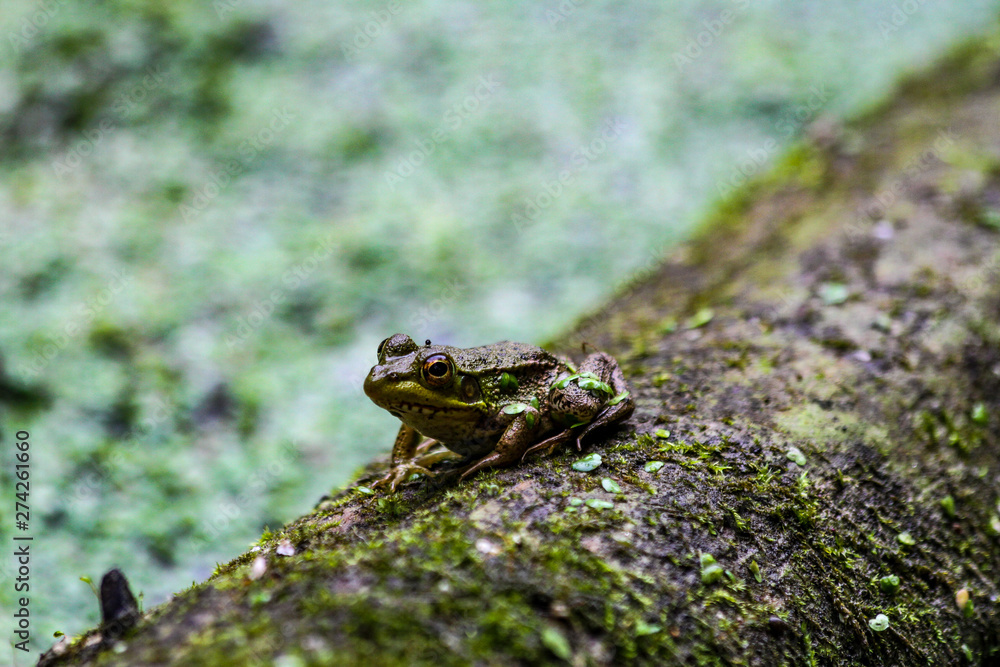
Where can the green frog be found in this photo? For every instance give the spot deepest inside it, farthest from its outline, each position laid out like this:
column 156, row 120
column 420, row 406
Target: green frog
column 490, row 406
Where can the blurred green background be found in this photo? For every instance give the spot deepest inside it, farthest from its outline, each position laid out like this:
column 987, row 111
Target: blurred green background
column 213, row 211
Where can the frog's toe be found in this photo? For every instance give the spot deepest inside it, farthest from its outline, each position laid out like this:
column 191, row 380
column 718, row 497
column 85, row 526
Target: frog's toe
column 549, row 444
column 425, row 447
column 400, row 474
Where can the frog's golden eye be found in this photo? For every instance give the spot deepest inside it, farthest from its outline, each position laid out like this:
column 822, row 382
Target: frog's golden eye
column 437, row 370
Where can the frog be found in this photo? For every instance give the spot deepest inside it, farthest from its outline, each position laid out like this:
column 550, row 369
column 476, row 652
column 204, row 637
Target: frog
column 489, row 406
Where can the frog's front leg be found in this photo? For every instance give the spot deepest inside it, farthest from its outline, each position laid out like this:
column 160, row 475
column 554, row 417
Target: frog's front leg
column 410, row 455
column 514, row 442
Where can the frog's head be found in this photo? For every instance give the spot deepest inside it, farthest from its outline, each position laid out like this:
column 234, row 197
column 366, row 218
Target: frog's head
column 422, row 386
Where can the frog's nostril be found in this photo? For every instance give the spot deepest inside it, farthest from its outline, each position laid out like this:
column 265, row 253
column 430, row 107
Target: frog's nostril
column 370, row 381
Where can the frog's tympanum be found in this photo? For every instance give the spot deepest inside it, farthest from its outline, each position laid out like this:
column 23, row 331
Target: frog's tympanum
column 491, row 405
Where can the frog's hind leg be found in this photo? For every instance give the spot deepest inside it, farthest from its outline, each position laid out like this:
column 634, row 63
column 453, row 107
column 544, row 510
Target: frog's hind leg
column 511, row 447
column 549, row 444
column 607, row 369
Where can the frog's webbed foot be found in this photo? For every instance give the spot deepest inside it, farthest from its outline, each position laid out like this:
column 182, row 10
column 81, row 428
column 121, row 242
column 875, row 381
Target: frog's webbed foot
column 419, row 464
column 400, row 473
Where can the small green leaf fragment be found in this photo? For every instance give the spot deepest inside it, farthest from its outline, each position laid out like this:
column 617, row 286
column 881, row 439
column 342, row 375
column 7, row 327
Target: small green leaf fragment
column 591, row 384
column 619, row 398
column 564, row 382
column 508, row 382
column 948, row 505
column 575, row 502
column 661, row 433
column 587, row 463
column 700, row 319
column 906, row 539
column 514, row 408
column 610, row 485
column 882, row 323
column 755, row 571
column 993, row 527
column 990, row 217
column 529, row 419
column 364, row 490
column 969, row 609
column 642, row 628
column 554, row 640
column 711, row 571
column 712, row 574
column 260, row 597
column 534, row 402
column 668, row 324
column 598, row 504
column 652, row 466
column 880, row 623
column 661, row 378
column 795, row 455
column 834, row 294
column 979, row 414
column 889, row 584
column 965, row 648
column 57, row 633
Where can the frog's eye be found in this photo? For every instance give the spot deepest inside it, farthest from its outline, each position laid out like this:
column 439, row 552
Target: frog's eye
column 437, row 370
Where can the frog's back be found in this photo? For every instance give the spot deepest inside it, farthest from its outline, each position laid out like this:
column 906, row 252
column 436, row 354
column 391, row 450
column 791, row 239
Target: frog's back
column 504, row 356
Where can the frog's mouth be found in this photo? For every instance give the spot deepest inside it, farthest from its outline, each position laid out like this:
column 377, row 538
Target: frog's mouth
column 411, row 408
